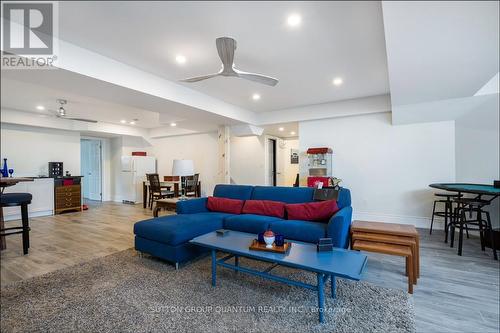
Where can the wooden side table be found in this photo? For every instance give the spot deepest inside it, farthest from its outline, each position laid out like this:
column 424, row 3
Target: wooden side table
column 167, row 204
column 389, row 238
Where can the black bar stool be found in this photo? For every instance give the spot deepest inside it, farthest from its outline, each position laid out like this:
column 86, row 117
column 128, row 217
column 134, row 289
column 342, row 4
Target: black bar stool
column 23, row 200
column 472, row 205
column 448, row 210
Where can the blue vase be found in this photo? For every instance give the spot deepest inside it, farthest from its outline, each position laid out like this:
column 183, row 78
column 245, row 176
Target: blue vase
column 5, row 169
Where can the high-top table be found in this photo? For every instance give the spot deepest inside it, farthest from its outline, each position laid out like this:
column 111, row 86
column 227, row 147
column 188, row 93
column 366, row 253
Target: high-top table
column 478, row 189
column 339, row 263
column 6, row 182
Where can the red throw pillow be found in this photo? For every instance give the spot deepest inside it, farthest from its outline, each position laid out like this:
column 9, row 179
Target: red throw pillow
column 264, row 207
column 224, row 205
column 312, row 211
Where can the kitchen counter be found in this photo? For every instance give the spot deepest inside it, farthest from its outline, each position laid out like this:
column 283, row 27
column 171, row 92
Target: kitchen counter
column 42, row 204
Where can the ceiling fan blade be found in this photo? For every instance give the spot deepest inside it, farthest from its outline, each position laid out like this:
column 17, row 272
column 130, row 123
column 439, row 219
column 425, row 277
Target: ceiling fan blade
column 226, row 47
column 57, row 115
column 200, row 78
column 270, row 81
column 81, row 119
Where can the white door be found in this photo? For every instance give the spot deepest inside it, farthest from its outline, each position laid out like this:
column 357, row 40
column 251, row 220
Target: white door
column 84, row 160
column 91, row 169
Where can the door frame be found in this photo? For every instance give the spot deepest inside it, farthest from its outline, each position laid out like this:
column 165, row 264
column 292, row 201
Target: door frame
column 101, row 175
column 266, row 159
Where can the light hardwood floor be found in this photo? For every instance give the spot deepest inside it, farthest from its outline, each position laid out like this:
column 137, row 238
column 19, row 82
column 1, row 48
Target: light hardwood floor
column 454, row 294
column 64, row 240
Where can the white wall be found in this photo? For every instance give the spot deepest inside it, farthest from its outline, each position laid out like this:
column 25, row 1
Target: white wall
column 387, row 168
column 290, row 170
column 248, row 160
column 29, row 149
column 115, row 154
column 477, row 144
column 201, row 148
column 478, row 148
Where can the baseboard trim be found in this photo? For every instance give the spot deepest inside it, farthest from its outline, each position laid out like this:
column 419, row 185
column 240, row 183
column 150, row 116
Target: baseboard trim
column 17, row 216
column 121, row 199
column 417, row 221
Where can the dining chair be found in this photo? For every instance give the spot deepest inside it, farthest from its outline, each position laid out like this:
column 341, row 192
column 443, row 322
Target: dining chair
column 192, row 186
column 155, row 190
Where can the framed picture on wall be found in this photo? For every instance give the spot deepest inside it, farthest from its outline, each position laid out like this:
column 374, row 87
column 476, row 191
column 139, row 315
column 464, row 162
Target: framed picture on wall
column 294, row 156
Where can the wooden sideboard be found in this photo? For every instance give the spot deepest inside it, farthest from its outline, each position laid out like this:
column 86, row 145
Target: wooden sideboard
column 67, row 197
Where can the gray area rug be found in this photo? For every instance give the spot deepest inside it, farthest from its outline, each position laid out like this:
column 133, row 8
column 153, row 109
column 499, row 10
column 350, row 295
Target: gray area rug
column 124, row 292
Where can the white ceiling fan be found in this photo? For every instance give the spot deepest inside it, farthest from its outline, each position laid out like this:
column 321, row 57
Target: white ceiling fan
column 61, row 112
column 226, row 47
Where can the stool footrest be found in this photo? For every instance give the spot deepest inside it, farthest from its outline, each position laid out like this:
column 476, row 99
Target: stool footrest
column 11, row 233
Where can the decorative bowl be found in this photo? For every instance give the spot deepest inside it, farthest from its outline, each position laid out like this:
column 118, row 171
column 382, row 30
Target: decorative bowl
column 269, row 238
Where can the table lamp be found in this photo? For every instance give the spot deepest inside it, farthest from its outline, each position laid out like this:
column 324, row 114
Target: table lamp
column 183, row 168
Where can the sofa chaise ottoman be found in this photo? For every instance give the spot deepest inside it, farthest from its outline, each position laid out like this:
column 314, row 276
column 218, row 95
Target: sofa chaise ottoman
column 168, row 237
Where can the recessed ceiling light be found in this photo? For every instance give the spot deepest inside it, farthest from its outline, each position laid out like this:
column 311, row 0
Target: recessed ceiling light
column 294, row 20
column 292, row 133
column 281, row 129
column 132, row 123
column 337, row 81
column 255, row 97
column 173, row 124
column 40, row 107
column 123, row 121
column 180, row 59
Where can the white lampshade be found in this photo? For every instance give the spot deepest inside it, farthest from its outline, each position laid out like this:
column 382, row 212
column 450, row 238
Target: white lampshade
column 183, row 168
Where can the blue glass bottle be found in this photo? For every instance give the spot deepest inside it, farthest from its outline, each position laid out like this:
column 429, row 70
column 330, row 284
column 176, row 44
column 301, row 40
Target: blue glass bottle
column 5, row 169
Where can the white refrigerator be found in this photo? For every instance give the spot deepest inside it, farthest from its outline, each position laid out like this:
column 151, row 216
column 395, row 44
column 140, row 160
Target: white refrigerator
column 134, row 170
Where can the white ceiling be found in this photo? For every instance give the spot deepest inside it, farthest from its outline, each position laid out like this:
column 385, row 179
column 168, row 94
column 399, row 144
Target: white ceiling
column 290, row 130
column 18, row 95
column 440, row 50
column 436, row 51
column 343, row 39
column 93, row 99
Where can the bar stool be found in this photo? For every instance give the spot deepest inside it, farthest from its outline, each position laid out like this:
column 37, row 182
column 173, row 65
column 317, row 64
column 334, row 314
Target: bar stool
column 448, row 210
column 460, row 220
column 23, row 200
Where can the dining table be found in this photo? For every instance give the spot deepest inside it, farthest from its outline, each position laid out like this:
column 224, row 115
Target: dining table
column 6, row 182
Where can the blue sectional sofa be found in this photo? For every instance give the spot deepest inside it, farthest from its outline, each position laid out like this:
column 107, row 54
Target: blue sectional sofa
column 167, row 237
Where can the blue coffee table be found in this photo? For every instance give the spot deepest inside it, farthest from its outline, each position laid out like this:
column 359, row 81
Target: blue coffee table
column 338, row 263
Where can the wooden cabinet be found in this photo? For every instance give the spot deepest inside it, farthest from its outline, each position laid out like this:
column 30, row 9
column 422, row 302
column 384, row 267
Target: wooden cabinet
column 68, row 198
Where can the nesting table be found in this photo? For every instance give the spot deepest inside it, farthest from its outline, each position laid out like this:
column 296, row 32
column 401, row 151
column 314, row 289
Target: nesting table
column 390, row 238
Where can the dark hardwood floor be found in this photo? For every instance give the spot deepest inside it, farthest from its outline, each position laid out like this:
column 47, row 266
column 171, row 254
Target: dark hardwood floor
column 454, row 294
